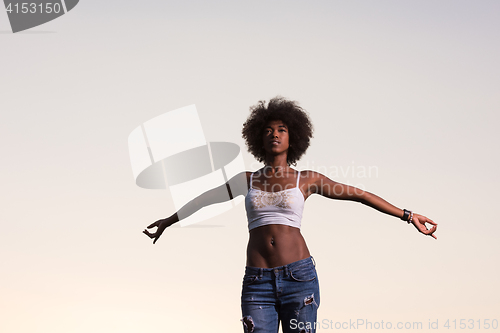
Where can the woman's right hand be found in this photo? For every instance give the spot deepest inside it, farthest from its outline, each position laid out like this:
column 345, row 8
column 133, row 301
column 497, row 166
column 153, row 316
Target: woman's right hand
column 161, row 225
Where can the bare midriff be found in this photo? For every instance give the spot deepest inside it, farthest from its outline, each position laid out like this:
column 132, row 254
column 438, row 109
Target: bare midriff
column 275, row 245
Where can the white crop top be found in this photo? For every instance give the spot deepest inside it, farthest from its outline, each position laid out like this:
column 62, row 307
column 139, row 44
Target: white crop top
column 282, row 207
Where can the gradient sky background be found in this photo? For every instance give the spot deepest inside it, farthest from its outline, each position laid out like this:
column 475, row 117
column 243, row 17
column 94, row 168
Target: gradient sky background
column 408, row 87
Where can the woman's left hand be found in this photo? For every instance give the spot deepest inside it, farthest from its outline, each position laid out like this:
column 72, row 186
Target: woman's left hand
column 419, row 222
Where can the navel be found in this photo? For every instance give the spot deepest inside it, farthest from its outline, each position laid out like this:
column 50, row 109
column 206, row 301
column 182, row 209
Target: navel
column 272, row 240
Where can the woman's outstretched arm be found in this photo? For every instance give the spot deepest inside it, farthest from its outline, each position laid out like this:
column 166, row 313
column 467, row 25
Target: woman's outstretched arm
column 231, row 189
column 320, row 184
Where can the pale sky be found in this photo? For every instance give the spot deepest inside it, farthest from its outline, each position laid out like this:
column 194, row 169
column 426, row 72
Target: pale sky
column 408, row 89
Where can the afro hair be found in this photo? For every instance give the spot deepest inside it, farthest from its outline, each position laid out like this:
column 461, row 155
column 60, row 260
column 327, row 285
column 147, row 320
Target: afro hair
column 300, row 128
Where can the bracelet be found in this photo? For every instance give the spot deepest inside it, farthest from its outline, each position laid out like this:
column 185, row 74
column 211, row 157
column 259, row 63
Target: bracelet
column 406, row 215
column 411, row 218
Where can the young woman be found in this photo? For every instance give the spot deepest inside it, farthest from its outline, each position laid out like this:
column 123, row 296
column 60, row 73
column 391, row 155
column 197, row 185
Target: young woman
column 280, row 282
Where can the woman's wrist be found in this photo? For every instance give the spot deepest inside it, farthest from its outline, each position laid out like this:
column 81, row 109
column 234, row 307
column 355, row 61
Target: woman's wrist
column 410, row 220
column 170, row 220
column 406, row 215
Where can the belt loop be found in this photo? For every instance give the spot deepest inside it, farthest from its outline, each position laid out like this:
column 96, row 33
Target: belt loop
column 286, row 270
column 260, row 273
column 314, row 262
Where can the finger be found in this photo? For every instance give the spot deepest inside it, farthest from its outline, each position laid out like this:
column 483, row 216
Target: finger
column 154, row 224
column 430, row 231
column 431, row 222
column 149, row 234
column 424, row 230
column 434, row 236
column 156, row 239
column 421, row 228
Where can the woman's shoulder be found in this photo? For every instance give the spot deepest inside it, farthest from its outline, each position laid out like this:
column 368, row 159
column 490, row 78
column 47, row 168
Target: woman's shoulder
column 249, row 175
column 310, row 177
column 311, row 174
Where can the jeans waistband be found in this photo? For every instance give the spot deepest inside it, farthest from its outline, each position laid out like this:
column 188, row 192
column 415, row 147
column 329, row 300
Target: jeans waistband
column 285, row 268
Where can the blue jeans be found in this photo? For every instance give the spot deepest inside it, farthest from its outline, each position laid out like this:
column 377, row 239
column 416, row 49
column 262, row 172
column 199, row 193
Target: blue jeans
column 289, row 294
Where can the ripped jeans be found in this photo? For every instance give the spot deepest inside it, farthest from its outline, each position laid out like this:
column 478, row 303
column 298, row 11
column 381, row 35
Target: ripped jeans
column 289, row 294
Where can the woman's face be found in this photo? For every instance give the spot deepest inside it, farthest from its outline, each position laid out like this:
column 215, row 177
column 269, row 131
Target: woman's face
column 275, row 137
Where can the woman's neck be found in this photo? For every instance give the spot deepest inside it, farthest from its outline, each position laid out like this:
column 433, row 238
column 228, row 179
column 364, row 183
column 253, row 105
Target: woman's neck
column 276, row 164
